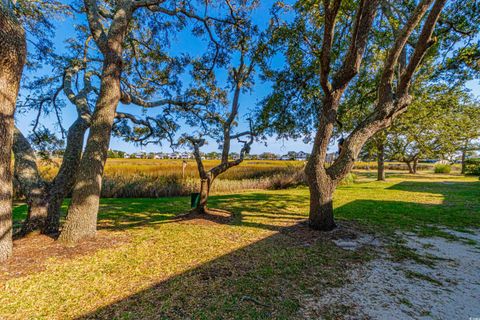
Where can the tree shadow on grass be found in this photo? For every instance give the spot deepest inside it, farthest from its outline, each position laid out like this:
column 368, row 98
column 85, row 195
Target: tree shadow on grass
column 267, row 279
column 122, row 214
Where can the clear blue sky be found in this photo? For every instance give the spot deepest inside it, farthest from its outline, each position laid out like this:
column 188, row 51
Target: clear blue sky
column 65, row 30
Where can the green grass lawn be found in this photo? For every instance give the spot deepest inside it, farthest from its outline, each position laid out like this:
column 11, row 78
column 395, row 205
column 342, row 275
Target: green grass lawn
column 257, row 264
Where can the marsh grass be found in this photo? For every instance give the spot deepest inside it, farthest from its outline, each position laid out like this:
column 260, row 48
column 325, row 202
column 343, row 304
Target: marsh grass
column 145, row 178
column 150, row 178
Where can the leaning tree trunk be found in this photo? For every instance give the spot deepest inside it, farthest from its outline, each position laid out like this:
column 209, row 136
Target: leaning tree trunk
column 63, row 182
column 81, row 219
column 381, row 162
column 12, row 60
column 31, row 184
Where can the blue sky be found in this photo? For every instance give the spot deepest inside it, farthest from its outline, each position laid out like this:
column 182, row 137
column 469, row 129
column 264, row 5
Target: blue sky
column 65, row 30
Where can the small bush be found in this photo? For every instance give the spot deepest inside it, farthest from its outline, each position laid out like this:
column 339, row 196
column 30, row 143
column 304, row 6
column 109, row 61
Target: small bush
column 443, row 168
column 349, row 179
column 472, row 167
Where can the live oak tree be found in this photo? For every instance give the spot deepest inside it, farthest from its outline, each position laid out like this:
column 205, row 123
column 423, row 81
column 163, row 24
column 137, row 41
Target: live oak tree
column 432, row 128
column 12, row 60
column 74, row 80
column 331, row 50
column 114, row 26
column 44, row 199
column 203, row 109
column 465, row 122
column 242, row 44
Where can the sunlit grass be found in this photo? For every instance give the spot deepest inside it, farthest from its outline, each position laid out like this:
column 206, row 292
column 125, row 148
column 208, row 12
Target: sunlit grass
column 254, row 266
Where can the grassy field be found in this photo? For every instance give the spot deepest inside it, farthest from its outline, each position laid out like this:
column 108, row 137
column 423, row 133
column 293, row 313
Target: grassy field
column 254, row 259
column 149, row 178
column 146, row 178
column 248, row 169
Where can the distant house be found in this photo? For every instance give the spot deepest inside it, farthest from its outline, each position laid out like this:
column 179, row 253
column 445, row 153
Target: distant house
column 301, row 156
column 292, row 155
column 186, row 155
column 140, row 155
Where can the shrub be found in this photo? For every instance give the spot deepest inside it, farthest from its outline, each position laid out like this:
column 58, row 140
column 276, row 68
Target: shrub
column 349, row 179
column 472, row 167
column 443, row 168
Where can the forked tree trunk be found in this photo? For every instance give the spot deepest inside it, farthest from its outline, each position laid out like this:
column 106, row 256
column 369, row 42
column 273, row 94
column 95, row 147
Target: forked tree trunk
column 381, row 162
column 12, row 60
column 63, row 182
column 322, row 182
column 44, row 199
column 415, row 165
column 81, row 219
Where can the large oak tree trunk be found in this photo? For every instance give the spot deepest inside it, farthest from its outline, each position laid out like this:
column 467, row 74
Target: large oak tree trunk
column 12, row 60
column 381, row 162
column 81, row 219
column 322, row 181
column 321, row 208
column 63, row 182
column 319, row 182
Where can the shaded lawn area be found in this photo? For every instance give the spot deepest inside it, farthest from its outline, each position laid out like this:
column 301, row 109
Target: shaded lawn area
column 257, row 263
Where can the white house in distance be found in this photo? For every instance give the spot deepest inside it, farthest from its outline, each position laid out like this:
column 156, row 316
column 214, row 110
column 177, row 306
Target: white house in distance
column 299, row 156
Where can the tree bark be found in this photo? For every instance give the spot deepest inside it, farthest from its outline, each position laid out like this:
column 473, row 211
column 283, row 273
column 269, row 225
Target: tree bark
column 321, row 199
column 410, row 168
column 381, row 161
column 12, row 60
column 464, row 158
column 414, row 167
column 31, row 184
column 204, row 193
column 81, row 219
column 63, row 182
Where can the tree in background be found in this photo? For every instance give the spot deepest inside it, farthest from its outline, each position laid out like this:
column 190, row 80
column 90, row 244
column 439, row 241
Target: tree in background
column 12, row 59
column 129, row 31
column 435, row 126
column 466, row 120
column 242, row 47
column 328, row 51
